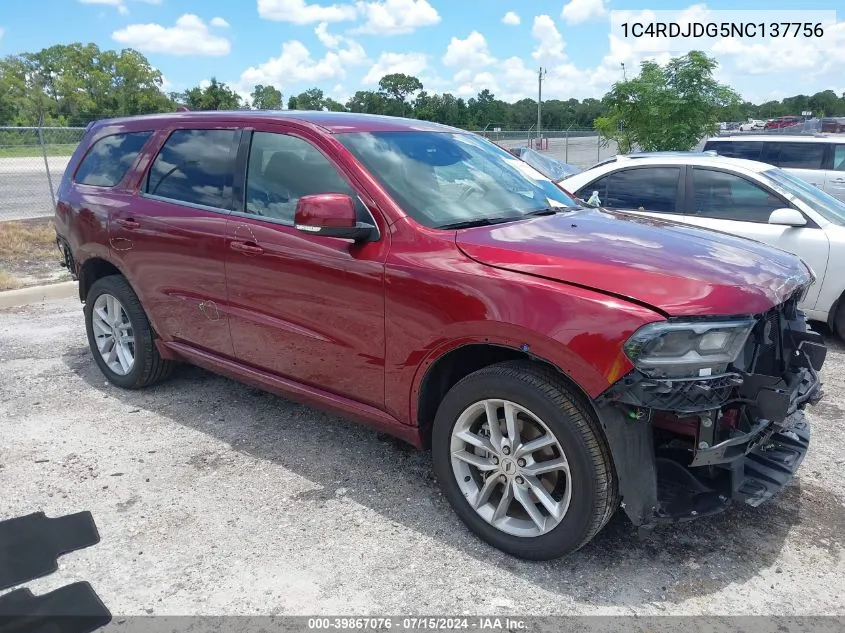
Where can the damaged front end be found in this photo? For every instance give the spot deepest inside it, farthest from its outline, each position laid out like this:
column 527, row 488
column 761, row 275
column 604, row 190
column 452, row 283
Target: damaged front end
column 713, row 412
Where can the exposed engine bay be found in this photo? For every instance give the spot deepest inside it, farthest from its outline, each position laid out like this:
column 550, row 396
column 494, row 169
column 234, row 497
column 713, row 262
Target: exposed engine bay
column 689, row 445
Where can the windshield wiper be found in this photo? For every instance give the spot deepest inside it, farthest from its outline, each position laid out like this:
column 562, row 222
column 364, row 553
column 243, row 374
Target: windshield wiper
column 468, row 224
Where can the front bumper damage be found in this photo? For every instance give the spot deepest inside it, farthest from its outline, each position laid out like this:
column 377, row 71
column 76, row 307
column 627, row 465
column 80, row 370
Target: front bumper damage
column 685, row 448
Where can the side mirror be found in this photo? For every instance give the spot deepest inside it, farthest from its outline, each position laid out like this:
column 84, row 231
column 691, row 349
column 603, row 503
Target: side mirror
column 787, row 217
column 331, row 215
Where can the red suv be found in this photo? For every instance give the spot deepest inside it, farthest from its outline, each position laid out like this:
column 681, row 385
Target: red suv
column 559, row 361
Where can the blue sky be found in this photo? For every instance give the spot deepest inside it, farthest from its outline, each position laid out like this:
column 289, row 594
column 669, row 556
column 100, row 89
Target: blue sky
column 342, row 46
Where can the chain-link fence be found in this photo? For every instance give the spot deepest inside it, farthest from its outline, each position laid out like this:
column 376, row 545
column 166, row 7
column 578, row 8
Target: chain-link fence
column 581, row 148
column 32, row 161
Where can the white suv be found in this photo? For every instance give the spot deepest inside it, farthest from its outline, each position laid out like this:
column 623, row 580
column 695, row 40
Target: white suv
column 736, row 196
column 818, row 159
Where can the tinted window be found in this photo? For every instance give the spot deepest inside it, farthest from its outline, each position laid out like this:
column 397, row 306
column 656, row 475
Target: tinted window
column 281, row 170
column 599, row 185
column 796, row 155
column 735, row 149
column 839, row 157
column 110, row 158
column 195, row 166
column 645, row 189
column 728, row 197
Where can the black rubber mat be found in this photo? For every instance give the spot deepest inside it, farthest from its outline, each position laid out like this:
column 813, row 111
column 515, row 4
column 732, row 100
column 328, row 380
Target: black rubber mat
column 74, row 608
column 30, row 545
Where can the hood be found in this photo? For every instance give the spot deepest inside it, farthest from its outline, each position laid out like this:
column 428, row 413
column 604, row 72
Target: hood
column 678, row 269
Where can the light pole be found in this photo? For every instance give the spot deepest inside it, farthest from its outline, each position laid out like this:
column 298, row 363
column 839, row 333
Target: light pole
column 540, row 75
column 624, row 74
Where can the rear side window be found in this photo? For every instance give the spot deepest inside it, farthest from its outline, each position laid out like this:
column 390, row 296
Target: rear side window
column 644, row 189
column 195, row 166
column 795, row 155
column 750, row 150
column 839, row 157
column 107, row 162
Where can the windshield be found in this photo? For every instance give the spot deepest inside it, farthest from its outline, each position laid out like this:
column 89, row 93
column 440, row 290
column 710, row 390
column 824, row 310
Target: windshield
column 442, row 179
column 825, row 204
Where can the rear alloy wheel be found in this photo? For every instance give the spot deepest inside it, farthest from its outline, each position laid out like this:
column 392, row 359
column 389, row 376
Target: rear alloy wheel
column 120, row 335
column 523, row 462
column 839, row 319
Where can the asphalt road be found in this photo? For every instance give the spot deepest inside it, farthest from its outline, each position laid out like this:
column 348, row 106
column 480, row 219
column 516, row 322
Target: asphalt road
column 25, row 188
column 215, row 498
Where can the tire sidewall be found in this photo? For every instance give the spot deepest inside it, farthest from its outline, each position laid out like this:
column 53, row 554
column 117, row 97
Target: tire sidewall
column 570, row 533
column 119, row 289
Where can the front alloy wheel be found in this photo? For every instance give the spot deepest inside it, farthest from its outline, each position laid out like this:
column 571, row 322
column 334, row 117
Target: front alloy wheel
column 510, row 467
column 523, row 461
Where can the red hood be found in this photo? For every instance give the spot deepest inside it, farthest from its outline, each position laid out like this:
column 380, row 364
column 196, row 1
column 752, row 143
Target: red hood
column 679, row 269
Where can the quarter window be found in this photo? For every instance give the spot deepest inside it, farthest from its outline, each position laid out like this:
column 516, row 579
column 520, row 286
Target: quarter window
column 195, row 166
column 839, row 157
column 284, row 168
column 107, row 162
column 644, row 189
column 724, row 196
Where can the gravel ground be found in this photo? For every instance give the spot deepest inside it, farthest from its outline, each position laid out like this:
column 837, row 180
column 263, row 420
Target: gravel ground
column 215, row 498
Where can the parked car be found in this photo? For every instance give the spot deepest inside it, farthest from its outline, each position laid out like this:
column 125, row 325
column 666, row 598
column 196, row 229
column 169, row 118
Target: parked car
column 559, row 361
column 740, row 197
column 550, row 167
column 833, row 124
column 752, row 125
column 782, row 122
column 819, row 160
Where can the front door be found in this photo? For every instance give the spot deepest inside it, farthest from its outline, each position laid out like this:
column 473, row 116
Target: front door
column 305, row 307
column 172, row 238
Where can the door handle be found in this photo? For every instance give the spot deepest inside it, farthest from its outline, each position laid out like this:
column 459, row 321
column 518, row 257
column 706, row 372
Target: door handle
column 249, row 248
column 129, row 223
column 839, row 180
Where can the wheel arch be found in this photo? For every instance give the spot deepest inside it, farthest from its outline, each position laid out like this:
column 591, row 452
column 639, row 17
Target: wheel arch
column 445, row 369
column 92, row 269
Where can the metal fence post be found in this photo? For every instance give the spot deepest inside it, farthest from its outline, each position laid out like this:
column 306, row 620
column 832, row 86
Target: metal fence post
column 598, row 148
column 46, row 162
column 566, row 146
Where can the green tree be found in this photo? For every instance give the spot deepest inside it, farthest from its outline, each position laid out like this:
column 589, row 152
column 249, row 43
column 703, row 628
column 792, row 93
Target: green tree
column 266, row 98
column 667, row 107
column 397, row 87
column 367, row 102
column 215, row 96
column 333, row 106
column 292, row 103
column 311, row 99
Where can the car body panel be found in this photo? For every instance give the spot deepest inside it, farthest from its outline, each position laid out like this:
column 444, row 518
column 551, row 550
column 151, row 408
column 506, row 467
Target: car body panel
column 679, row 270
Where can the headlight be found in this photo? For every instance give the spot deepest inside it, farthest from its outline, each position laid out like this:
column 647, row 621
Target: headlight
column 679, row 347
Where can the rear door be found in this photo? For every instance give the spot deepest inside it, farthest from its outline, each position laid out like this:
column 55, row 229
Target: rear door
column 728, row 202
column 835, row 175
column 803, row 159
column 170, row 240
column 652, row 190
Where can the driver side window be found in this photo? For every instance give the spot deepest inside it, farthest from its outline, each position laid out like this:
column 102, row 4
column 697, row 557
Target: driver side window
column 284, row 168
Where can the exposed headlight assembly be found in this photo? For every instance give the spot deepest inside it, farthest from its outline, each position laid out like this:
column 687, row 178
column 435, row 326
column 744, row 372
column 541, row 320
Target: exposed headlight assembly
column 678, row 347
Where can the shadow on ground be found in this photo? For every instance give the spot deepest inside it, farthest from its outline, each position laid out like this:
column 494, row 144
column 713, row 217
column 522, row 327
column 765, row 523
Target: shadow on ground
column 396, row 481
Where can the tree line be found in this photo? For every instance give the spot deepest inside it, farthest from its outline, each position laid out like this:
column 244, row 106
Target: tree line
column 76, row 83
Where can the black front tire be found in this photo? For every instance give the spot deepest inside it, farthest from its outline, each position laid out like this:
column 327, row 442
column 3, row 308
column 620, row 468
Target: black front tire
column 595, row 494
column 149, row 367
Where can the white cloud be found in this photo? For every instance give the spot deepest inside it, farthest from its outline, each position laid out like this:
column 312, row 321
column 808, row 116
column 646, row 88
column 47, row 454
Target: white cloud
column 511, row 18
column 189, row 36
column 220, row 23
column 395, row 17
column 299, row 12
column 389, row 63
column 577, row 11
column 2, row 31
column 469, row 53
column 551, row 44
column 296, row 65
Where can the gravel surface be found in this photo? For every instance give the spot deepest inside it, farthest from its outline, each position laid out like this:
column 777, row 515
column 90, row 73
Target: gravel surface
column 215, row 498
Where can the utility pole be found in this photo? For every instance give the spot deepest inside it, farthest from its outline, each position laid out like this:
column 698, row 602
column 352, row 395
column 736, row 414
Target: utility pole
column 540, row 75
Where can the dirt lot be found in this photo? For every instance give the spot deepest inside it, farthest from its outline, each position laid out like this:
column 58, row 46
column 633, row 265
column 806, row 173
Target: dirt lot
column 28, row 254
column 214, row 498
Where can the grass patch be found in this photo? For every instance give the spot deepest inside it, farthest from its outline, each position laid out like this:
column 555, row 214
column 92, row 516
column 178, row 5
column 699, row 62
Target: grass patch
column 28, row 253
column 30, row 151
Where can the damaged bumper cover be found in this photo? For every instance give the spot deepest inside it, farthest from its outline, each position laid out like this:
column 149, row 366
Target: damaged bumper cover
column 688, row 447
